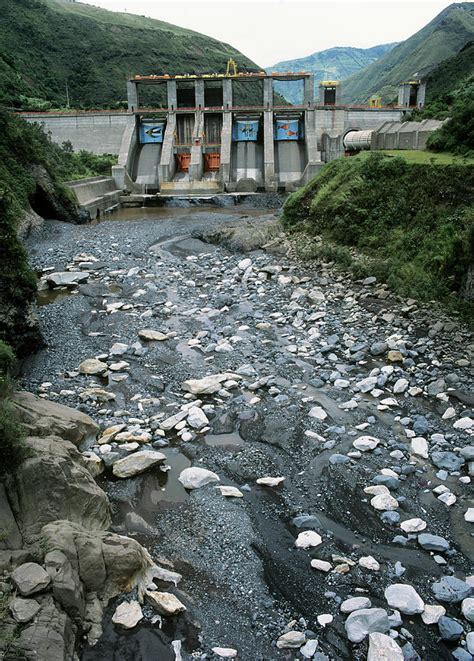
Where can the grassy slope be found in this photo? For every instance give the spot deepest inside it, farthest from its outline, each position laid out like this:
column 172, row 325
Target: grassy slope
column 444, row 36
column 452, row 76
column 331, row 64
column 428, row 158
column 414, row 221
column 43, row 44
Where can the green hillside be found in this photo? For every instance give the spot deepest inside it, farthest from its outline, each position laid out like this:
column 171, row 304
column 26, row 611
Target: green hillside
column 442, row 38
column 45, row 44
column 452, row 78
column 331, row 64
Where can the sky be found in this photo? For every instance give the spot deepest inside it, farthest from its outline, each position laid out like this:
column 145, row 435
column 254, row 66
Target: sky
column 269, row 31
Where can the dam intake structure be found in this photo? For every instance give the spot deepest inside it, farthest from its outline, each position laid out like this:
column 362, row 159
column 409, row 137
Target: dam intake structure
column 208, row 141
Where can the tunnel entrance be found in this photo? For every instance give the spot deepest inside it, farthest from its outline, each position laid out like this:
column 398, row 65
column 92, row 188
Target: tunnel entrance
column 41, row 203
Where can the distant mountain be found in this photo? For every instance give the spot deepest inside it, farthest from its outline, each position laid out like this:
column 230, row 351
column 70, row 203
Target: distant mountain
column 46, row 44
column 331, row 64
column 442, row 38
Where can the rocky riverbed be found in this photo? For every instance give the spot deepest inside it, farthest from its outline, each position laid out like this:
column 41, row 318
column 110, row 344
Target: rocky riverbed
column 297, row 446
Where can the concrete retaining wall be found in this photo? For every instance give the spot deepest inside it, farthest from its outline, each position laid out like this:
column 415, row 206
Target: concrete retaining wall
column 96, row 195
column 99, row 133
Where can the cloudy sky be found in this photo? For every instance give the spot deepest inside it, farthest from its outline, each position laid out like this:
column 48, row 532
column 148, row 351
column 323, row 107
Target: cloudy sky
column 273, row 30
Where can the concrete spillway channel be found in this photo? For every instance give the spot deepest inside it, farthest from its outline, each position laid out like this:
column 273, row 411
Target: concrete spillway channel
column 297, row 343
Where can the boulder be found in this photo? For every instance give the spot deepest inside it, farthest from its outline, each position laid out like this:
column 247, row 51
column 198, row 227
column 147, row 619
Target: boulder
column 45, row 418
column 137, row 463
column 93, row 367
column 165, row 603
column 105, row 563
column 67, row 587
column 51, row 485
column 367, row 620
column 195, row 477
column 66, row 278
column 467, row 608
column 150, row 335
column 404, row 598
column 30, row 578
column 127, row 614
column 432, row 542
column 208, row 385
column 52, row 635
column 383, row 648
column 451, row 590
column 197, row 418
column 291, row 640
column 355, row 604
column 308, row 539
column 23, row 610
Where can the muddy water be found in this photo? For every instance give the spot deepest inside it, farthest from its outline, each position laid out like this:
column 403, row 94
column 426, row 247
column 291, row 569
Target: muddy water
column 163, row 213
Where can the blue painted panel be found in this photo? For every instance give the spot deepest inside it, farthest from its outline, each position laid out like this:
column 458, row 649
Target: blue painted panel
column 286, row 129
column 243, row 131
column 151, row 132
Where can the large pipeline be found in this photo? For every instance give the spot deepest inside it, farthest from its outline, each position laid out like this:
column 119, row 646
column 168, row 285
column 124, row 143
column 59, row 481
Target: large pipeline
column 357, row 140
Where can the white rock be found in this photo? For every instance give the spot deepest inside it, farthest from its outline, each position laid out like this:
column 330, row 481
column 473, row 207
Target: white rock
column 464, row 423
column 231, row 492
column 309, row 648
column 66, row 278
column 413, row 525
column 355, row 604
column 92, row 366
column 404, row 598
column 366, row 443
column 369, row 562
column 93, row 463
column 384, row 502
column 197, row 418
column 383, row 648
column 377, row 489
column 244, row 264
column 324, row 619
column 137, row 463
column 308, row 539
column 467, row 608
column 127, row 614
column 449, row 413
column 208, row 385
column 165, row 603
column 367, row 384
column 270, row 481
column 469, row 515
column 321, row 565
column 225, row 652
column 195, row 477
column 318, row 412
column 118, row 349
column 151, row 335
column 419, row 446
column 432, row 613
column 400, row 386
column 291, row 640
column 447, row 498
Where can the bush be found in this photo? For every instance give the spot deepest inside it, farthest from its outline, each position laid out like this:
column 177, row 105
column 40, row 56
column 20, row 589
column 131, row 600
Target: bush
column 457, row 134
column 415, row 222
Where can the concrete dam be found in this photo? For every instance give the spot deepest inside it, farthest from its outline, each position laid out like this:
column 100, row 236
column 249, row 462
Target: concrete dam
column 205, row 141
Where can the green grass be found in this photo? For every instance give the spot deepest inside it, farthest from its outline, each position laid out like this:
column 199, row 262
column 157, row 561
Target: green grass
column 410, row 223
column 427, row 157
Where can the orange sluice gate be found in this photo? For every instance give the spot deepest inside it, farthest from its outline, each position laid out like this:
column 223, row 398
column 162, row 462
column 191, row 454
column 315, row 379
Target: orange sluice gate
column 212, row 162
column 183, row 162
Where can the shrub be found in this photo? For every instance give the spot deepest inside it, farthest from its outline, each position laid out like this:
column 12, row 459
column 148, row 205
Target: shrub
column 12, row 447
column 414, row 221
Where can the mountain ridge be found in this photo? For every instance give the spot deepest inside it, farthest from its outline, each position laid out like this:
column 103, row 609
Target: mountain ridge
column 336, row 63
column 438, row 40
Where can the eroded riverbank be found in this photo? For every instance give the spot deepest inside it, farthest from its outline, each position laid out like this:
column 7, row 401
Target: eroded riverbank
column 315, row 362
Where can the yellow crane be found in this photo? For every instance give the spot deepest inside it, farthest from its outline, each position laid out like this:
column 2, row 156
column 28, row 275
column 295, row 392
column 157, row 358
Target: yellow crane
column 231, row 67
